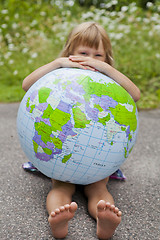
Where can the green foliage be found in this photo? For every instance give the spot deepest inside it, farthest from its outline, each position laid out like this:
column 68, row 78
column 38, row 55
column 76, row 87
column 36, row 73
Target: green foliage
column 33, row 32
column 116, row 4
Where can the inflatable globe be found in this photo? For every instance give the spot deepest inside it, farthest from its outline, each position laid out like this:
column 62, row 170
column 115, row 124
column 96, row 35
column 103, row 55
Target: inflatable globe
column 76, row 125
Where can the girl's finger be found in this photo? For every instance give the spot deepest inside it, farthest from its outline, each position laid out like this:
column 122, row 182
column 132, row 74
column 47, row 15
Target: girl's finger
column 90, row 68
column 77, row 65
column 87, row 66
column 77, row 58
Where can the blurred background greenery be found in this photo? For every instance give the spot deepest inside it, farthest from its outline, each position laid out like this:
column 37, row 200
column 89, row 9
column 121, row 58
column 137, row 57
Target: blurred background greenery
column 33, row 32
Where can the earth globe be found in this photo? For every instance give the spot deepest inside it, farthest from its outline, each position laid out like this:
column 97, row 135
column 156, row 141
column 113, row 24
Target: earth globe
column 76, row 125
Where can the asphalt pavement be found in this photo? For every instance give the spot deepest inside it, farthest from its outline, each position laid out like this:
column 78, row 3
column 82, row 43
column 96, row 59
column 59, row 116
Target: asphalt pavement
column 23, row 194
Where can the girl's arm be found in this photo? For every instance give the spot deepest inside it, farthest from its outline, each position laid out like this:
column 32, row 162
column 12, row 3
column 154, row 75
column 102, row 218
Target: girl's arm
column 111, row 72
column 40, row 72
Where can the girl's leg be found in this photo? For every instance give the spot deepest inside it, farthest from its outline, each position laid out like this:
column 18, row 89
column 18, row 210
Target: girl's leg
column 60, row 208
column 101, row 207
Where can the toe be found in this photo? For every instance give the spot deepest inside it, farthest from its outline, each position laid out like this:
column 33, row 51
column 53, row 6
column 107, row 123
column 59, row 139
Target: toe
column 108, row 205
column 57, row 210
column 112, row 208
column 52, row 214
column 116, row 210
column 62, row 209
column 73, row 207
column 101, row 205
column 66, row 206
column 119, row 214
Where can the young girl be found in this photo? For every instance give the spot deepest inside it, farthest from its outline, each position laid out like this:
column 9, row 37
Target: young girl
column 87, row 47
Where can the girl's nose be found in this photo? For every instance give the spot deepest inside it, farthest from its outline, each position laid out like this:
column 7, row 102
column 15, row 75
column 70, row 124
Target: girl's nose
column 92, row 55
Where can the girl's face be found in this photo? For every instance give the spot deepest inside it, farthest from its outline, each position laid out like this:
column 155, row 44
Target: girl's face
column 86, row 51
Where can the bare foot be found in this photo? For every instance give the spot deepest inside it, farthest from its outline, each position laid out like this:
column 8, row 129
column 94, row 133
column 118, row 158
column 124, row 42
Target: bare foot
column 59, row 219
column 108, row 218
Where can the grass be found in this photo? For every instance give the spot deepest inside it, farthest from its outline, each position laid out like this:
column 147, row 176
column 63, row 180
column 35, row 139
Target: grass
column 32, row 34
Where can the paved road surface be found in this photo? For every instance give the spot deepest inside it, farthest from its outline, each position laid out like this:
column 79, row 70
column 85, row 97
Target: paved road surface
column 23, row 194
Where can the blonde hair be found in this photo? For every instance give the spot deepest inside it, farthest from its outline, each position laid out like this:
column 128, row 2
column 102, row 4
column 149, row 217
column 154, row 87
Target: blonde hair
column 88, row 34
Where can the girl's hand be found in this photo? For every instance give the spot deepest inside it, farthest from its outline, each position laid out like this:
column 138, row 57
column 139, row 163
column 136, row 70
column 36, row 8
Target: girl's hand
column 65, row 62
column 90, row 63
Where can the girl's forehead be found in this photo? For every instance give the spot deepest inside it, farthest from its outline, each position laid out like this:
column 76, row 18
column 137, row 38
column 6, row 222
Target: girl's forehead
column 92, row 49
column 98, row 46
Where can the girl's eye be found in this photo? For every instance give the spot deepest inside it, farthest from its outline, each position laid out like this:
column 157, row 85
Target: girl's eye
column 98, row 55
column 83, row 53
